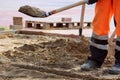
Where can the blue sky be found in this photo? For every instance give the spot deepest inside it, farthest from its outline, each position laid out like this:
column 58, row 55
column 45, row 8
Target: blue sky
column 9, row 8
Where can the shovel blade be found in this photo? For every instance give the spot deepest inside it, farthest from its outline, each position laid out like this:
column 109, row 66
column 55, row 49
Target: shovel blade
column 32, row 11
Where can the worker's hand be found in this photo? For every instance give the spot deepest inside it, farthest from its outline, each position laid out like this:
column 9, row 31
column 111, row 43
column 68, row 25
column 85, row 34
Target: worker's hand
column 91, row 1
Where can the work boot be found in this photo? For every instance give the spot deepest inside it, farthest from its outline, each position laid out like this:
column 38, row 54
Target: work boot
column 115, row 69
column 89, row 65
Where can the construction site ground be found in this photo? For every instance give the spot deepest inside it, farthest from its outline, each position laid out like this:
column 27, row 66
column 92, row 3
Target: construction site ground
column 43, row 57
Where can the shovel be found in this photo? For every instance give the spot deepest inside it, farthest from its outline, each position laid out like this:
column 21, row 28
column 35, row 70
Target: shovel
column 36, row 12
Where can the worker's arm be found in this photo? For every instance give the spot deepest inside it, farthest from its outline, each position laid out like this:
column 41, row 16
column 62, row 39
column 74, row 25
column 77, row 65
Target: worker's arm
column 91, row 1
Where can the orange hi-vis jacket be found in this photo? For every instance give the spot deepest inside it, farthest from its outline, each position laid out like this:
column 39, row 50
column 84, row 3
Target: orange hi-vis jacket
column 104, row 10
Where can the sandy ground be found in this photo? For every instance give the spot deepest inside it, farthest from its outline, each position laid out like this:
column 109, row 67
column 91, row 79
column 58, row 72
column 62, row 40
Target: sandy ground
column 40, row 57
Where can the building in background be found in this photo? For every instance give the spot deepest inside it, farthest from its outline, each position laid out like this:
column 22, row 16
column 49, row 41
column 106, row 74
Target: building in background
column 17, row 23
column 65, row 23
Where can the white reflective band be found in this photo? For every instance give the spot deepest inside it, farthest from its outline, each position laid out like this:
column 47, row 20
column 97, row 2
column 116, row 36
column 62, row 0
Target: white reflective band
column 117, row 47
column 103, row 47
column 94, row 35
column 118, row 39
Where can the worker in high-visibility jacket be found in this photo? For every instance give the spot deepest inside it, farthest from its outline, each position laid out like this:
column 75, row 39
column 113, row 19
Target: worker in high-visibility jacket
column 104, row 10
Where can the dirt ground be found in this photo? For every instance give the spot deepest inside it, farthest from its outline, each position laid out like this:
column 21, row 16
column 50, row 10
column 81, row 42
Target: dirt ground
column 40, row 57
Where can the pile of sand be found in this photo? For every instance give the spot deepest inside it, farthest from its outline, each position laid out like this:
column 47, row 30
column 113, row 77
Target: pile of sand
column 41, row 57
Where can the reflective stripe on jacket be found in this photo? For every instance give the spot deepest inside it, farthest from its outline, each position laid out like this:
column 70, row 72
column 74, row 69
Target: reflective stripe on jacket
column 99, row 42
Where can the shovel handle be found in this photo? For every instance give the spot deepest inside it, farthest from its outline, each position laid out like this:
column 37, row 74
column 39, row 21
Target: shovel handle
column 67, row 7
column 82, row 19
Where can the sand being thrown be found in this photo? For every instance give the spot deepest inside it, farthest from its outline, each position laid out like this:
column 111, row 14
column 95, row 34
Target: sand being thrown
column 32, row 11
